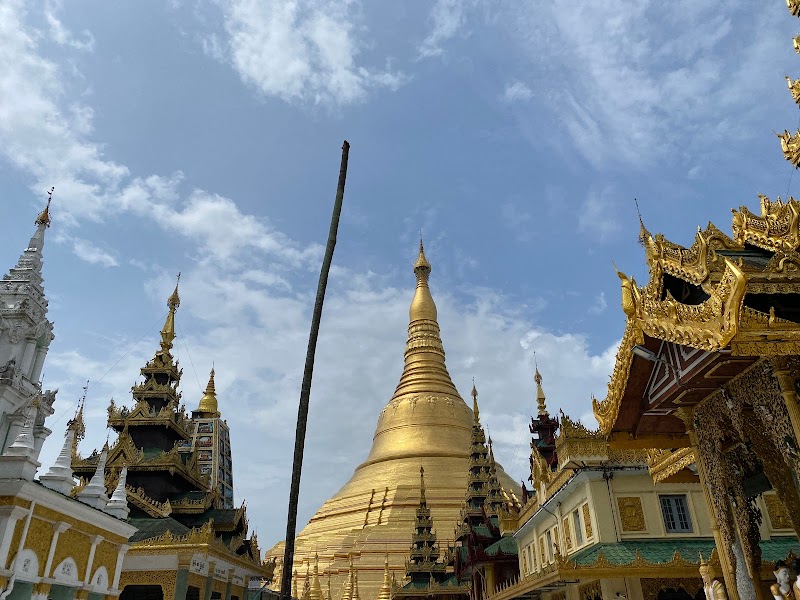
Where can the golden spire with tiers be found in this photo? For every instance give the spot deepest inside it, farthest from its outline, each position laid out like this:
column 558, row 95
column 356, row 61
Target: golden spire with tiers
column 208, row 403
column 168, row 331
column 425, row 423
column 386, row 588
column 540, row 398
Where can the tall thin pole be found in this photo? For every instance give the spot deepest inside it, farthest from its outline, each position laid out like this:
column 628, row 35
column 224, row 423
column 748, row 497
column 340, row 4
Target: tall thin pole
column 305, row 390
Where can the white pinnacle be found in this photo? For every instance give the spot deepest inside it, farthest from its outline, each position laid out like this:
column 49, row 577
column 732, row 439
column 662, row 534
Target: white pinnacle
column 118, row 505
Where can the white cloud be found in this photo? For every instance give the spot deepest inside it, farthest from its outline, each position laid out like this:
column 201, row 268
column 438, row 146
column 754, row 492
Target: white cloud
column 254, row 323
column 60, row 34
column 87, row 251
column 632, row 83
column 517, row 92
column 597, row 215
column 303, row 50
column 448, row 17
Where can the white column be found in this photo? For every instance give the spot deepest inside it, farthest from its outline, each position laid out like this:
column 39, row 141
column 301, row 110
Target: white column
column 59, row 527
column 118, row 570
column 27, row 359
column 9, row 515
column 38, row 363
column 95, row 539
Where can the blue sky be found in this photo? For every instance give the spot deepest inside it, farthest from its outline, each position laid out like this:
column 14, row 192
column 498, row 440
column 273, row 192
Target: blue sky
column 204, row 137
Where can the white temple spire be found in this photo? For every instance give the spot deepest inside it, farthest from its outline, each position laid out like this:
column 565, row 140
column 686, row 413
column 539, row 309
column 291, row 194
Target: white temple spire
column 59, row 476
column 118, row 505
column 94, row 494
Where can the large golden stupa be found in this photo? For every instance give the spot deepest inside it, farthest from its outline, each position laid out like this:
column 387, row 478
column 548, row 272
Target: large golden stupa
column 426, row 423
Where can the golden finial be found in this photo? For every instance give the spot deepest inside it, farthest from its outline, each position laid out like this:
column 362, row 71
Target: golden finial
column 44, row 216
column 796, row 43
column 422, row 267
column 475, row 401
column 208, row 403
column 174, row 300
column 540, row 397
column 422, row 485
column 168, row 332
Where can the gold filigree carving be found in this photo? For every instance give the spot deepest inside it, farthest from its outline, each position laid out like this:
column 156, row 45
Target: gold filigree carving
column 590, row 591
column 652, row 586
column 567, row 533
column 666, row 463
column 631, row 515
column 775, row 229
column 778, row 517
column 587, row 520
column 794, row 7
column 794, row 88
column 790, row 145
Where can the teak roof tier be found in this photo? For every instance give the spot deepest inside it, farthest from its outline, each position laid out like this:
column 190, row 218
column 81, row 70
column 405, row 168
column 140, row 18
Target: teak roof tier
column 707, row 313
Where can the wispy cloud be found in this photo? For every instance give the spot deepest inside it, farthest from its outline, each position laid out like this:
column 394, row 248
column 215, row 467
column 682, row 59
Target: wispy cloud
column 517, row 92
column 87, row 251
column 448, row 18
column 630, row 82
column 302, row 51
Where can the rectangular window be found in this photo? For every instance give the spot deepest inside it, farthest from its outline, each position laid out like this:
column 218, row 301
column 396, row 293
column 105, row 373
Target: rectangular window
column 549, row 538
column 576, row 518
column 676, row 514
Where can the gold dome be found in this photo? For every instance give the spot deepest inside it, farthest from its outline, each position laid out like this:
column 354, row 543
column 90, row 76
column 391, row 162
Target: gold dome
column 208, row 403
column 425, row 423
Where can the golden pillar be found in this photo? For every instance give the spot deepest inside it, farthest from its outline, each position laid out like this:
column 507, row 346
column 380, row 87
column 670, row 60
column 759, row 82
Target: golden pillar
column 728, row 571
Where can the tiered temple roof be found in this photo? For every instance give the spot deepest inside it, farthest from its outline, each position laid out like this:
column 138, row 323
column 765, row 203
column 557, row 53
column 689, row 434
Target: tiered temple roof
column 168, row 497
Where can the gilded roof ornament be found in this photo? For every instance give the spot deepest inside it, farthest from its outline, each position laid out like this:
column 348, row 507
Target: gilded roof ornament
column 44, row 216
column 794, row 88
column 794, row 7
column 422, row 501
column 790, row 145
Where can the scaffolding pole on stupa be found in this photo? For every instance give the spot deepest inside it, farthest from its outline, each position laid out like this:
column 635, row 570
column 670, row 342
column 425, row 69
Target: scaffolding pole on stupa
column 305, row 389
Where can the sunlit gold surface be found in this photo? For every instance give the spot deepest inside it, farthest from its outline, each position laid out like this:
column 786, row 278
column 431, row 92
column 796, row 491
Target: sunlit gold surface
column 208, row 403
column 425, row 424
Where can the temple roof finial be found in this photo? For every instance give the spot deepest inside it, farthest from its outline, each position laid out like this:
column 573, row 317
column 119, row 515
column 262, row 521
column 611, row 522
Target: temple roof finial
column 540, row 397
column 208, row 403
column 475, row 411
column 44, row 216
column 422, row 499
column 168, row 332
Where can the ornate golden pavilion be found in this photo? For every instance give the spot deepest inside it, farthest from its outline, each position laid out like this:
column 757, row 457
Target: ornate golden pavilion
column 425, row 423
column 708, row 369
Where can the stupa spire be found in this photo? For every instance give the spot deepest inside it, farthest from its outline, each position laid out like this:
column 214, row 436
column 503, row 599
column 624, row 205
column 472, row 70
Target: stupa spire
column 385, row 592
column 168, row 331
column 424, row 369
column 475, row 411
column 541, row 401
column 208, row 403
column 315, row 592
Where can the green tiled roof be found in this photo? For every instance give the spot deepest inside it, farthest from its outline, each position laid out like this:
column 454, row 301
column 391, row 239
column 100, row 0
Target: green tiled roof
column 505, row 545
column 776, row 549
column 654, row 551
column 149, row 527
column 662, row 551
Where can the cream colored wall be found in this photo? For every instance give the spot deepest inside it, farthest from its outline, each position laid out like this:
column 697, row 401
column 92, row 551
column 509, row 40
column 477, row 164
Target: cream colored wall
column 602, row 499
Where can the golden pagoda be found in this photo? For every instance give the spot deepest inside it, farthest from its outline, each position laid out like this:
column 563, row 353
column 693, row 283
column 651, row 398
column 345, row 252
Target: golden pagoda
column 425, row 423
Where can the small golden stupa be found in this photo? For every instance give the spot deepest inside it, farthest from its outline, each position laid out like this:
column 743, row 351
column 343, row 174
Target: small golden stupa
column 425, row 424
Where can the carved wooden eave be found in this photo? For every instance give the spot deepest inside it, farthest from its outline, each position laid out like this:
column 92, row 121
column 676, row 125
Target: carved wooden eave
column 776, row 229
column 199, row 540
column 140, row 499
column 668, row 466
column 606, row 412
column 144, row 414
